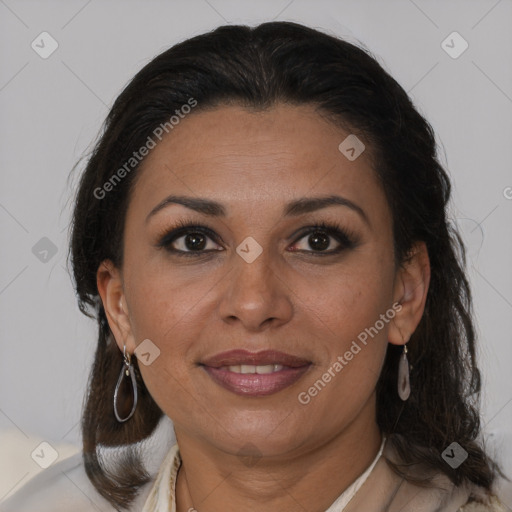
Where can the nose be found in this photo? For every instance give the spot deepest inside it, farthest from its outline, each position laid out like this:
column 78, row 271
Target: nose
column 256, row 295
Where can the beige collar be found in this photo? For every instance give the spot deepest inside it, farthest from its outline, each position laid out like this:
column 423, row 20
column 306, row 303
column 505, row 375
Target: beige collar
column 378, row 489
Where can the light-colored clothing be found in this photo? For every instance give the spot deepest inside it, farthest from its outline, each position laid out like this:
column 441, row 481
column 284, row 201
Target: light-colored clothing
column 162, row 496
column 64, row 487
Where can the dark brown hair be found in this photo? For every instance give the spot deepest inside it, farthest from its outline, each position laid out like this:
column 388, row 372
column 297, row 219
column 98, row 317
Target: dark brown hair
column 257, row 68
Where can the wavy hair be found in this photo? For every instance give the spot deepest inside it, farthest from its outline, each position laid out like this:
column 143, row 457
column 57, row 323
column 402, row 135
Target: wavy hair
column 258, row 67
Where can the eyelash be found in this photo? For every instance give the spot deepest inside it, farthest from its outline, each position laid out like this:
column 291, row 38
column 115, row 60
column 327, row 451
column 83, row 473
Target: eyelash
column 344, row 237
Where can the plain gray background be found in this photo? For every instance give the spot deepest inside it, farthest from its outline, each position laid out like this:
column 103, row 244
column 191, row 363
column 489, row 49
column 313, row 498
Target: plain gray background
column 52, row 110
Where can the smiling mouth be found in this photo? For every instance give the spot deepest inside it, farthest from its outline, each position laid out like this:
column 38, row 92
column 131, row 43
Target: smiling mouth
column 255, row 374
column 250, row 368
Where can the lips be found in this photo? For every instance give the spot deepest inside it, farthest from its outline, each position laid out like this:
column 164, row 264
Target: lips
column 255, row 374
column 265, row 357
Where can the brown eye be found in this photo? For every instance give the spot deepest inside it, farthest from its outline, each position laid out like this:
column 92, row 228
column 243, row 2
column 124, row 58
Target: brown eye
column 190, row 240
column 195, row 241
column 325, row 239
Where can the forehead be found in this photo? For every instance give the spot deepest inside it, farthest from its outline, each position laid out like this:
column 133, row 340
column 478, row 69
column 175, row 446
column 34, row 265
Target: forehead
column 240, row 156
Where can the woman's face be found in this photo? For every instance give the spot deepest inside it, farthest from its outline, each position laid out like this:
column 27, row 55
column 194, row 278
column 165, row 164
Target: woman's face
column 254, row 277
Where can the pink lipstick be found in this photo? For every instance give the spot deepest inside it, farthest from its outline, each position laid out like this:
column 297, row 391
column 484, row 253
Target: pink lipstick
column 255, row 373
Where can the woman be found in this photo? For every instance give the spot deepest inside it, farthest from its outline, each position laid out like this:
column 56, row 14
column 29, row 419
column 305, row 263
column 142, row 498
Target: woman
column 262, row 225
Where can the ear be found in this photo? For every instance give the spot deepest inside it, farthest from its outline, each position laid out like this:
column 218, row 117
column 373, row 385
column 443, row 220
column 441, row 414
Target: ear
column 110, row 288
column 410, row 290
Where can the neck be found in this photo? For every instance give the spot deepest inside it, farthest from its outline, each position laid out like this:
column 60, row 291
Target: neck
column 209, row 478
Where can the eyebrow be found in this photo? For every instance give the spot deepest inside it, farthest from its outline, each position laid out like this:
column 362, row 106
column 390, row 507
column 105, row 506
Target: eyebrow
column 292, row 209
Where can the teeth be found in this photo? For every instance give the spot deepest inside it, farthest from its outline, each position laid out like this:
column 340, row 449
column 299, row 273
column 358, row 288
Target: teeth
column 250, row 368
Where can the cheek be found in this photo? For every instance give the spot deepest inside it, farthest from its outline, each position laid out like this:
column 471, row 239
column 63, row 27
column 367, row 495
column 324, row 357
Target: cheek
column 347, row 302
column 162, row 309
column 162, row 301
column 346, row 310
column 170, row 307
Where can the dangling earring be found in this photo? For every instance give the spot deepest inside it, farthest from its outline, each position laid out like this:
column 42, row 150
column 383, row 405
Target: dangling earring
column 126, row 397
column 404, row 387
